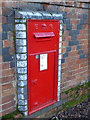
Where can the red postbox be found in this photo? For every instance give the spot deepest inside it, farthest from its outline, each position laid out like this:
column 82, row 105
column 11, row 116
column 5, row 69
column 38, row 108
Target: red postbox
column 42, row 52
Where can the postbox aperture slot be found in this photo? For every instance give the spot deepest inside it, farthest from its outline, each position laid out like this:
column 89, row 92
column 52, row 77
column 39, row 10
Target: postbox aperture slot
column 44, row 35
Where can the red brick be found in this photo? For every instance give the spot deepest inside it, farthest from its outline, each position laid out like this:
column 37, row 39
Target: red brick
column 74, row 27
column 66, row 9
column 74, row 21
column 9, row 110
column 84, row 47
column 1, row 59
column 84, row 69
column 75, row 72
column 8, row 98
column 12, row 50
column 8, row 105
column 65, row 44
column 81, row 60
column 8, row 79
column 7, row 86
column 64, row 75
column 83, row 64
column 74, row 67
column 6, row 72
column 3, row 19
column 0, row 74
column 4, row 9
column 73, row 48
column 79, row 37
column 85, row 27
column 63, row 50
column 9, row 92
column 64, row 65
column 60, row 8
column 73, row 53
column 84, row 73
column 7, row 43
column 66, row 32
column 69, row 3
column 85, row 51
column 5, row 65
column 84, row 32
column 0, row 66
column 74, row 58
column 64, row 70
column 80, row 4
column 83, row 42
column 66, row 38
column 71, row 77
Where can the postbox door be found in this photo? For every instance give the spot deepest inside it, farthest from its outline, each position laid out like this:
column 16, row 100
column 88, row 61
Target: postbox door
column 42, row 79
column 42, row 53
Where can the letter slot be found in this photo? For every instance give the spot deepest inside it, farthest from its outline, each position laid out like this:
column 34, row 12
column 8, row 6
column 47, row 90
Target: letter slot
column 44, row 35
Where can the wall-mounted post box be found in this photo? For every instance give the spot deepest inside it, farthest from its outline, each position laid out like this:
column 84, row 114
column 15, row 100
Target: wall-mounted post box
column 42, row 51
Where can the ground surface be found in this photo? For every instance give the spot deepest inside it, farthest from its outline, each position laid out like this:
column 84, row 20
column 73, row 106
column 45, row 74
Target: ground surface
column 79, row 111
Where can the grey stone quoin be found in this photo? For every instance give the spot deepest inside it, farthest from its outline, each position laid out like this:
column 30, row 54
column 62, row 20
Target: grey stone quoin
column 21, row 54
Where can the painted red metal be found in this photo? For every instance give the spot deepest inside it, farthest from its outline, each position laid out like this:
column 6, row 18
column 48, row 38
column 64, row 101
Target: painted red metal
column 42, row 63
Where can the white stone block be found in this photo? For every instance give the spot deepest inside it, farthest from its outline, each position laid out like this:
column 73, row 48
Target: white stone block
column 58, row 84
column 46, row 14
column 21, row 63
column 22, row 83
column 61, row 26
column 20, row 96
column 20, row 27
column 59, row 51
column 21, row 42
column 60, row 45
column 22, row 70
column 60, row 33
column 25, row 113
column 37, row 14
column 22, row 77
column 58, row 79
column 21, row 49
column 16, row 20
column 20, row 34
column 22, row 102
column 59, row 56
column 61, row 21
column 22, row 108
column 21, row 56
column 59, row 68
column 60, row 39
column 26, row 14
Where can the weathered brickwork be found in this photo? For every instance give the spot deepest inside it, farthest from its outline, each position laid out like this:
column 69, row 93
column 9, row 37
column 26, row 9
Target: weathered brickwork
column 74, row 54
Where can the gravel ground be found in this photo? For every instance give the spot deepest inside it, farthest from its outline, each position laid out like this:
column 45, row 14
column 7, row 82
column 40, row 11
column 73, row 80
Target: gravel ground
column 79, row 111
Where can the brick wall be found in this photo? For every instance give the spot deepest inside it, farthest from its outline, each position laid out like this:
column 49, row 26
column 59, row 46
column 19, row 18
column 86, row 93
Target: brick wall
column 74, row 69
column 7, row 61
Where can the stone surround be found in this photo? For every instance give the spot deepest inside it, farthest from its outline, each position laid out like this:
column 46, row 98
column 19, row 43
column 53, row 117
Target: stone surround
column 21, row 53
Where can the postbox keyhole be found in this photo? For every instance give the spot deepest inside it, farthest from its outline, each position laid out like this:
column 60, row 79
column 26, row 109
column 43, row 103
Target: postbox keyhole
column 33, row 83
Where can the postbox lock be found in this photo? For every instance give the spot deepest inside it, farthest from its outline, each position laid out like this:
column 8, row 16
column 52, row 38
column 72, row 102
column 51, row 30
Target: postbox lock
column 34, row 82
